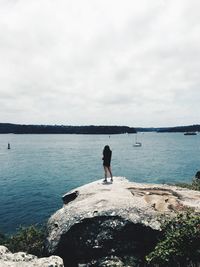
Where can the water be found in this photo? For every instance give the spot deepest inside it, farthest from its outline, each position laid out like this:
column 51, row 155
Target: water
column 39, row 169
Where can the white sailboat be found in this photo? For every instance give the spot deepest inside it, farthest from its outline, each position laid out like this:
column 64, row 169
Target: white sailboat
column 137, row 144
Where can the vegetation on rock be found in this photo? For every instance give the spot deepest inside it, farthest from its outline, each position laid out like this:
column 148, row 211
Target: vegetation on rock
column 28, row 239
column 180, row 242
column 195, row 185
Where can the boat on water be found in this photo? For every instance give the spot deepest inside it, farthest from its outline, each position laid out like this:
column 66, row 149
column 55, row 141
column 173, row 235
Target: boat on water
column 190, row 133
column 137, row 144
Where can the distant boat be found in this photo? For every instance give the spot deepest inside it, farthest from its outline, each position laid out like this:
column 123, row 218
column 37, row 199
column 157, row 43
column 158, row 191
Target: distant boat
column 190, row 133
column 137, row 144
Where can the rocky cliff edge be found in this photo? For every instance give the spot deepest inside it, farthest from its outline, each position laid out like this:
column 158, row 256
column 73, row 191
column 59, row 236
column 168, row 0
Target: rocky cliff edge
column 97, row 216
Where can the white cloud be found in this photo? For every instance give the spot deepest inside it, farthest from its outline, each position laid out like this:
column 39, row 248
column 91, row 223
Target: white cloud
column 100, row 62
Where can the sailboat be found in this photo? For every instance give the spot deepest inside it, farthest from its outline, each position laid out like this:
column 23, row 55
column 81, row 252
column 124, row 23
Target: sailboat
column 137, row 144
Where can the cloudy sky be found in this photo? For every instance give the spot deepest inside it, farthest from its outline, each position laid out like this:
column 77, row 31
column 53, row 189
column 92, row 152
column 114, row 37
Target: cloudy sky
column 108, row 62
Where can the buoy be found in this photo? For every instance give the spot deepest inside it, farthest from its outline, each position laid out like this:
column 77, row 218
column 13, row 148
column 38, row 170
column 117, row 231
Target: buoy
column 8, row 145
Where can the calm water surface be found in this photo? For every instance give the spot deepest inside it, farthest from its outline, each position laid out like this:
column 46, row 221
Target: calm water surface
column 40, row 168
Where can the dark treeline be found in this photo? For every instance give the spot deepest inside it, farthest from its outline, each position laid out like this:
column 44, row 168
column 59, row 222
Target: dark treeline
column 62, row 129
column 181, row 129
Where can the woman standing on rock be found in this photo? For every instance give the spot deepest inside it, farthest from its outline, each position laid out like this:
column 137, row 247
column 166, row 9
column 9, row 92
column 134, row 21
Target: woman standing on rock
column 107, row 153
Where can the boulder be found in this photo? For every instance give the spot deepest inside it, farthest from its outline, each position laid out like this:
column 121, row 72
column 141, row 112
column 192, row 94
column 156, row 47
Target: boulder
column 21, row 259
column 120, row 219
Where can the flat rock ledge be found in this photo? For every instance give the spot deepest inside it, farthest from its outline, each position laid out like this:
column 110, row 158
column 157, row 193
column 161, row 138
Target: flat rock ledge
column 21, row 259
column 99, row 218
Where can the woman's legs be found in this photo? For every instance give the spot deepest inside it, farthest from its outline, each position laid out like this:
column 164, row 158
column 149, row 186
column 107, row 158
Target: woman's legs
column 105, row 170
column 109, row 169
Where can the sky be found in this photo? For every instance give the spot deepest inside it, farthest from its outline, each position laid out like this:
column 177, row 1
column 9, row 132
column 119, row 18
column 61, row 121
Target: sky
column 108, row 62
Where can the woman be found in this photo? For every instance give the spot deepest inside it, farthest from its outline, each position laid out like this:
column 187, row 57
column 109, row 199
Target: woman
column 107, row 153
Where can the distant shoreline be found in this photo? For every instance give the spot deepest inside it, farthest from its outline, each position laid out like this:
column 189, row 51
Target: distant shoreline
column 10, row 128
column 6, row 128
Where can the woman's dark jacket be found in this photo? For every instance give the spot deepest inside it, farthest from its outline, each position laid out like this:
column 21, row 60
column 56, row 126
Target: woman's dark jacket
column 107, row 157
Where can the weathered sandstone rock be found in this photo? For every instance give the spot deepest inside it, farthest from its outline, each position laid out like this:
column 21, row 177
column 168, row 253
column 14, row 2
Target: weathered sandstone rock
column 119, row 218
column 21, row 259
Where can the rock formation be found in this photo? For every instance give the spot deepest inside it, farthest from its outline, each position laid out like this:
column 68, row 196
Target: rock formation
column 21, row 259
column 120, row 219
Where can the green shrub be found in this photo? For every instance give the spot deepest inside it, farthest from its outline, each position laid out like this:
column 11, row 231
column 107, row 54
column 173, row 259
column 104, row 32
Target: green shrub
column 28, row 239
column 195, row 185
column 180, row 242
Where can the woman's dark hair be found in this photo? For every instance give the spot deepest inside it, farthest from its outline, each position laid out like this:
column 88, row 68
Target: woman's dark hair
column 106, row 148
